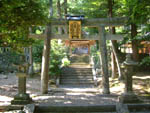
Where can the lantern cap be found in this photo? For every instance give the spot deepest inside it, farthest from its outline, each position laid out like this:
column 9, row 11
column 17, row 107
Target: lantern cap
column 75, row 17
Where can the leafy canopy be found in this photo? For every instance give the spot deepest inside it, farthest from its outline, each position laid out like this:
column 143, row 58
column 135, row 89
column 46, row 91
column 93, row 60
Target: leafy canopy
column 16, row 16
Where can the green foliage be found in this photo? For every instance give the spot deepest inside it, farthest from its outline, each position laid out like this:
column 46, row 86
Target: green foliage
column 11, row 57
column 95, row 53
column 90, row 8
column 58, row 52
column 16, row 16
column 22, row 13
column 138, row 10
column 37, row 51
column 145, row 61
column 65, row 62
column 9, row 60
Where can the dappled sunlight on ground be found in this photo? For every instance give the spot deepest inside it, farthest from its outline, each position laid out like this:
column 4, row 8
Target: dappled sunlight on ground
column 86, row 94
column 141, row 84
column 141, row 77
column 72, row 95
column 75, row 99
column 116, row 87
column 141, row 87
column 5, row 100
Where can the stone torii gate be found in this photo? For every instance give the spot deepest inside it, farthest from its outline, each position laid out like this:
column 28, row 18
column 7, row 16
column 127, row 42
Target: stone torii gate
column 99, row 23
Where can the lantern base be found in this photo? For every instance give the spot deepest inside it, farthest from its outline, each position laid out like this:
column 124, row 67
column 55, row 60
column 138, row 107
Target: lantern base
column 21, row 99
column 129, row 98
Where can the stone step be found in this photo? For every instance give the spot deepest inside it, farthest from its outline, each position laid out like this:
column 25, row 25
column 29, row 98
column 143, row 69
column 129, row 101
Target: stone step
column 76, row 74
column 80, row 60
column 76, row 77
column 76, row 82
column 77, row 70
column 79, row 67
column 141, row 112
column 75, row 89
column 139, row 108
column 80, row 112
column 72, row 66
column 76, row 109
column 87, row 71
column 68, row 79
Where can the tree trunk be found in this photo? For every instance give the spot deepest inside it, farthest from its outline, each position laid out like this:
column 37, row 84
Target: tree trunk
column 65, row 7
column 117, row 60
column 59, row 15
column 135, row 53
column 59, row 9
column 114, row 65
column 46, row 55
column 115, row 56
column 66, row 12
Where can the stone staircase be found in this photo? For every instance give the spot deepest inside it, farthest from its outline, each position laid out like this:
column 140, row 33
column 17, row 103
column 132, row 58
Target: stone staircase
column 79, row 73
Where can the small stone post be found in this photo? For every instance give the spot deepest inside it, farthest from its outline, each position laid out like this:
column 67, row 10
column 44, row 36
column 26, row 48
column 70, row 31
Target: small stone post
column 128, row 96
column 22, row 97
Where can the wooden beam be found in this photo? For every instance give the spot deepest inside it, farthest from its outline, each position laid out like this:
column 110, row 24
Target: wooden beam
column 84, row 37
column 37, row 36
column 114, row 37
column 94, row 22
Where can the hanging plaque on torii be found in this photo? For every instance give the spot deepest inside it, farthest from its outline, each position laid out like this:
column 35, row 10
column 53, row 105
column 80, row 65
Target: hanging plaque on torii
column 75, row 26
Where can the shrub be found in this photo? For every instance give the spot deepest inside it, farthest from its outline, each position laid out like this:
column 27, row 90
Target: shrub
column 57, row 53
column 65, row 62
column 145, row 61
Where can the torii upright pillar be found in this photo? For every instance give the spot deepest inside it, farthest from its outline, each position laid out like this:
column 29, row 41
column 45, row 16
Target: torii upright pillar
column 104, row 62
column 46, row 54
column 45, row 61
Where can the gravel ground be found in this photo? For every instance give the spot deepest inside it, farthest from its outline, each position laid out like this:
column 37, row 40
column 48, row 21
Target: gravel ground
column 66, row 96
column 76, row 99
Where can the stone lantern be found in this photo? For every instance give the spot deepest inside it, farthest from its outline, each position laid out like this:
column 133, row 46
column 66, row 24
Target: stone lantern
column 22, row 97
column 130, row 69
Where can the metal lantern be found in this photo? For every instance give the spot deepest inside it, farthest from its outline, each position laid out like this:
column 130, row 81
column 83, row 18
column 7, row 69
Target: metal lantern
column 75, row 26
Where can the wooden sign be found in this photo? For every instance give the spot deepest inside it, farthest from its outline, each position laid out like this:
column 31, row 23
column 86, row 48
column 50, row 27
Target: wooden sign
column 74, row 29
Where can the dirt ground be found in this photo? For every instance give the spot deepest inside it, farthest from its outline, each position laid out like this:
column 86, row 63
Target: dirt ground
column 8, row 87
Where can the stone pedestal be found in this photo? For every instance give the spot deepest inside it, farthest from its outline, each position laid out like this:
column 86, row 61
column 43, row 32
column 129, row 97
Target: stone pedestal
column 128, row 96
column 22, row 97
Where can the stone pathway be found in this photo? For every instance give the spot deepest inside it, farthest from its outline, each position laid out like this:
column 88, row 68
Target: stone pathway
column 76, row 99
column 64, row 95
